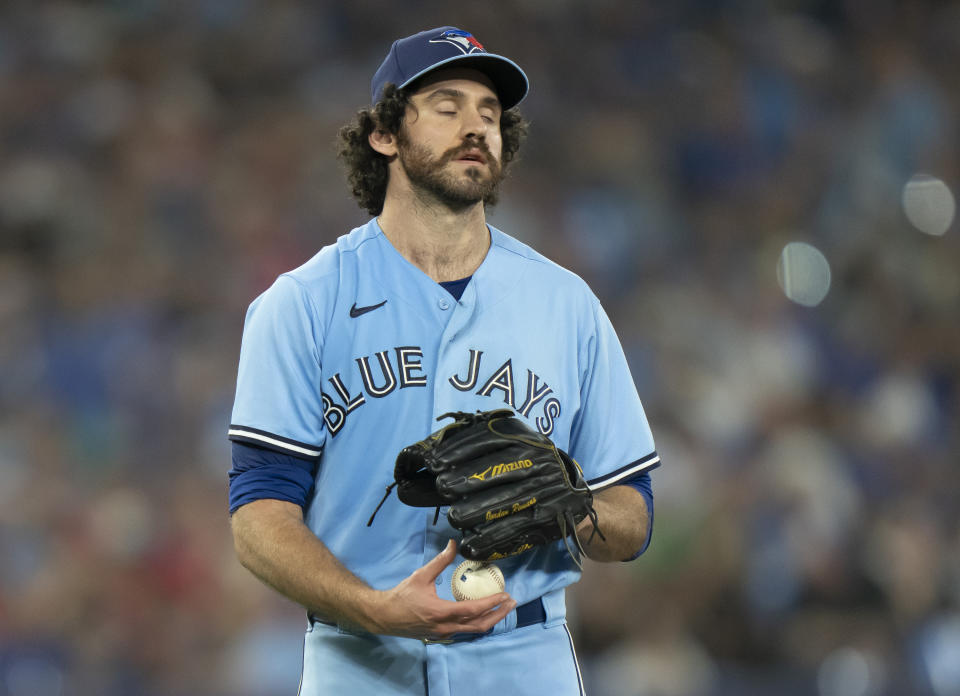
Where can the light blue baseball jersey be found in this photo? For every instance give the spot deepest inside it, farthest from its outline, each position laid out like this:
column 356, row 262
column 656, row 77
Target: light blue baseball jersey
column 355, row 354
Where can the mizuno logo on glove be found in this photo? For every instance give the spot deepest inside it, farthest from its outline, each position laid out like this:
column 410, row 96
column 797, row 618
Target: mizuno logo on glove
column 500, row 469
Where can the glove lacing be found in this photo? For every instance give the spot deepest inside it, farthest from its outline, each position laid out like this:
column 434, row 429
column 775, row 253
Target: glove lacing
column 382, row 501
column 567, row 519
column 436, row 515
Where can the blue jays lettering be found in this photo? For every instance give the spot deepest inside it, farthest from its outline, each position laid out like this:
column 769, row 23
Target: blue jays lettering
column 401, row 367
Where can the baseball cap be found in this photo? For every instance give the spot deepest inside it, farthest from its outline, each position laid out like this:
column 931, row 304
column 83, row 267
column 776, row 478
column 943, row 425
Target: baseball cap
column 417, row 55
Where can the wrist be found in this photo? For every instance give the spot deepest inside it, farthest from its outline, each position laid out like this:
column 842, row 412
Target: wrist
column 355, row 609
column 369, row 610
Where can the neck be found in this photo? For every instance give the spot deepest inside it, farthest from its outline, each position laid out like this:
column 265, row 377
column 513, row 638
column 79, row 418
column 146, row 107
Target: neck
column 444, row 243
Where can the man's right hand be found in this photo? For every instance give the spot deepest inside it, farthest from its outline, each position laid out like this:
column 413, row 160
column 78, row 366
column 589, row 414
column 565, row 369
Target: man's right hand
column 412, row 609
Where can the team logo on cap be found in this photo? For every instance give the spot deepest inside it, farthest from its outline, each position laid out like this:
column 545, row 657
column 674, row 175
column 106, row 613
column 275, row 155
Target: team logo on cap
column 461, row 39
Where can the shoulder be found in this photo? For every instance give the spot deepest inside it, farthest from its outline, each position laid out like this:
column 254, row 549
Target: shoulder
column 543, row 270
column 535, row 261
column 311, row 290
column 327, row 265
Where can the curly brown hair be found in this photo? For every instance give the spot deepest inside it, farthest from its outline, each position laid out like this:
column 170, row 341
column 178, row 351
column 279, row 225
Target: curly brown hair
column 367, row 169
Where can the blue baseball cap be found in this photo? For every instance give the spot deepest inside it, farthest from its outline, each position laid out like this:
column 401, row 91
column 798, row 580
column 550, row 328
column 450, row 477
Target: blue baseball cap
column 417, row 55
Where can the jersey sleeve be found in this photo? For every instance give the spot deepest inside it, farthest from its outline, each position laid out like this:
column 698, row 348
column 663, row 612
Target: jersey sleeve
column 611, row 437
column 277, row 404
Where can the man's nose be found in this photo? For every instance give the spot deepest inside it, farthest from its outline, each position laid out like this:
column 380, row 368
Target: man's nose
column 473, row 125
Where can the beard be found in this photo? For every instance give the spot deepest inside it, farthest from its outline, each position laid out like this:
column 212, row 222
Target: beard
column 431, row 176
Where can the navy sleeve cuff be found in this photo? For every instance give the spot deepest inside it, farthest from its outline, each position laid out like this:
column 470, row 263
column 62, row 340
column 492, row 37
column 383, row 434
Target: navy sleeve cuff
column 641, row 482
column 260, row 473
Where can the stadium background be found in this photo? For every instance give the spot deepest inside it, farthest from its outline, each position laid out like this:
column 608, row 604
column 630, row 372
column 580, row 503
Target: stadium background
column 162, row 161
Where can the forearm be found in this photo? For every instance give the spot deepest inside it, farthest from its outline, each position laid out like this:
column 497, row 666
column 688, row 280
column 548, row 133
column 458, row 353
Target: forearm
column 274, row 544
column 623, row 518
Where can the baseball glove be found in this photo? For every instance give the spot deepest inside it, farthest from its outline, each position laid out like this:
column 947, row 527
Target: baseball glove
column 509, row 488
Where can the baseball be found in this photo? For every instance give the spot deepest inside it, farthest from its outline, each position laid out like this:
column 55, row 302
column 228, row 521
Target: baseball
column 475, row 579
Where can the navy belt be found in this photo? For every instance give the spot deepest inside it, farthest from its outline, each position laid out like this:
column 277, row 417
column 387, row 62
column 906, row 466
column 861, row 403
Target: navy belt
column 527, row 615
column 531, row 613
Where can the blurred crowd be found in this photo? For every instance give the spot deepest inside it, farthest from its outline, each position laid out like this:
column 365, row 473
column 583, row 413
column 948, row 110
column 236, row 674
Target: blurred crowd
column 161, row 161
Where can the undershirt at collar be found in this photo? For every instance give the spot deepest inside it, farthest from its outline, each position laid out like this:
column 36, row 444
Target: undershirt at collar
column 456, row 287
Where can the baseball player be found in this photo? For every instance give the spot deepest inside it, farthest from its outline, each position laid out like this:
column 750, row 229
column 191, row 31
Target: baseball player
column 424, row 310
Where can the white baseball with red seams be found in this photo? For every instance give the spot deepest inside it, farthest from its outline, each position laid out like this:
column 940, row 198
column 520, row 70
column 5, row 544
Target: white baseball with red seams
column 475, row 580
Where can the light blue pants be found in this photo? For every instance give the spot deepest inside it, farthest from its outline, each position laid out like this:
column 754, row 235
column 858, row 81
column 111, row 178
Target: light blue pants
column 538, row 660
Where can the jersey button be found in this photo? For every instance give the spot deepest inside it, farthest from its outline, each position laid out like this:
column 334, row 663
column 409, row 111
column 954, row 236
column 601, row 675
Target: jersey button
column 444, row 303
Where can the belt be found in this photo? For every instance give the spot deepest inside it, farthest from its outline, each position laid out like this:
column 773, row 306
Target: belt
column 527, row 614
column 531, row 613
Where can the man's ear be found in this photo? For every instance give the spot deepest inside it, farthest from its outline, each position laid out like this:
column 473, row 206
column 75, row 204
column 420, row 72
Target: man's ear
column 383, row 141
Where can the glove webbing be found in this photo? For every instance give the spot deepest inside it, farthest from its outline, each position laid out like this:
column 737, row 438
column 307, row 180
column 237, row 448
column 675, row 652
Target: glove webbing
column 457, row 416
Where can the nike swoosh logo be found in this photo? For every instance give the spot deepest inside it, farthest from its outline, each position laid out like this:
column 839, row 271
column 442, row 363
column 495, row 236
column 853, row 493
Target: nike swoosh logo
column 357, row 311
